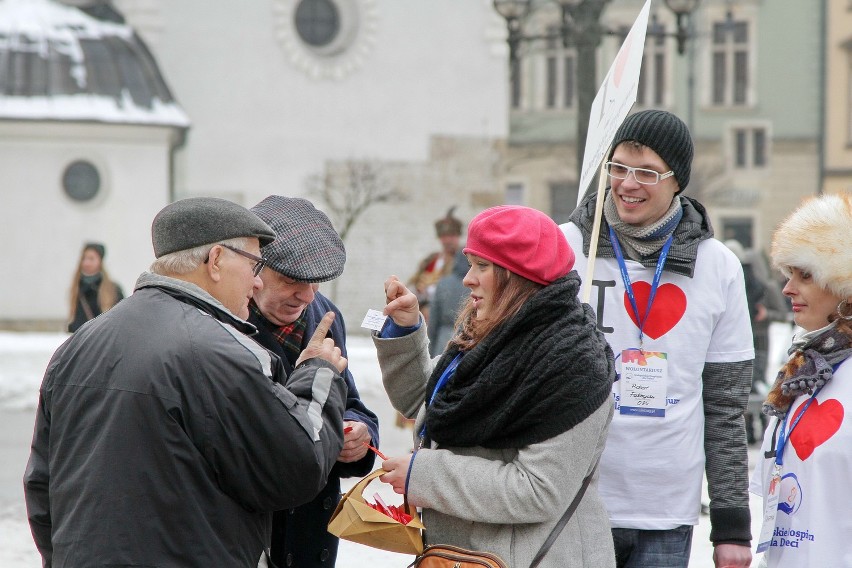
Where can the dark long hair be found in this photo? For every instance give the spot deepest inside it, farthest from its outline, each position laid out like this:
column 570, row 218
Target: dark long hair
column 107, row 292
column 510, row 293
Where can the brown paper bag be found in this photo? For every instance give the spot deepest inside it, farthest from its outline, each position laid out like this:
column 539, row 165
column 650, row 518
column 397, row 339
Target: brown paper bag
column 356, row 521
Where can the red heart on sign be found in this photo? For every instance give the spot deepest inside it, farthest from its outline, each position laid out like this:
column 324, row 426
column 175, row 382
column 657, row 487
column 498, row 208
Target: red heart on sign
column 816, row 426
column 669, row 306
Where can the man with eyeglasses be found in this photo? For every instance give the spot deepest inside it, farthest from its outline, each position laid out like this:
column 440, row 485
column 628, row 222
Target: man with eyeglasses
column 287, row 310
column 165, row 435
column 671, row 301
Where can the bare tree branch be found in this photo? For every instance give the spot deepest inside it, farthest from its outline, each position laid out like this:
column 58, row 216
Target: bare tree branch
column 350, row 188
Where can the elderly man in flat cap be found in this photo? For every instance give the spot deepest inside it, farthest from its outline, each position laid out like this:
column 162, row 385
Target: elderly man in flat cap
column 165, row 436
column 287, row 310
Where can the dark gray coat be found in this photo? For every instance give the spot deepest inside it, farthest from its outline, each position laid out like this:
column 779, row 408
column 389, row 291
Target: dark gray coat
column 163, row 439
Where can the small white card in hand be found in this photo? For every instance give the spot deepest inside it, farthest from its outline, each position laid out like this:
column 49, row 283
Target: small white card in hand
column 374, row 320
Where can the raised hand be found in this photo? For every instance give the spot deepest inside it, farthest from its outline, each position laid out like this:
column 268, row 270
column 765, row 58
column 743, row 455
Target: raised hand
column 402, row 305
column 323, row 347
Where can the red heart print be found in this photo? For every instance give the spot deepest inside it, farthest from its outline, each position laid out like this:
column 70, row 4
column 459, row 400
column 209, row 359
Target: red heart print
column 669, row 306
column 816, row 426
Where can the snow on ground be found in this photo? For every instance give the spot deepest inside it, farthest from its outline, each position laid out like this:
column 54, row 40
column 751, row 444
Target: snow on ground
column 24, row 357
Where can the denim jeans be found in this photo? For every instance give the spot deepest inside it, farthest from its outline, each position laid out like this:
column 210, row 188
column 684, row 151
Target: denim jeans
column 636, row 548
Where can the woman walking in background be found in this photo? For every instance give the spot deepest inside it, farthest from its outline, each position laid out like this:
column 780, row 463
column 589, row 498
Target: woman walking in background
column 92, row 291
column 807, row 462
column 512, row 418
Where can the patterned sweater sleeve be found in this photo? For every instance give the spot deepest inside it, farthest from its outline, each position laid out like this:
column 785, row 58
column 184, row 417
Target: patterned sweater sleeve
column 725, row 391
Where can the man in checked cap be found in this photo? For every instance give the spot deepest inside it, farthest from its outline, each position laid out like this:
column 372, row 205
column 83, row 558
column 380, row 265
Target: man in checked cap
column 166, row 436
column 305, row 252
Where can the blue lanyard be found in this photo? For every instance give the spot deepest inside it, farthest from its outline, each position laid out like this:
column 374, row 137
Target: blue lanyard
column 625, row 277
column 783, row 436
column 445, row 376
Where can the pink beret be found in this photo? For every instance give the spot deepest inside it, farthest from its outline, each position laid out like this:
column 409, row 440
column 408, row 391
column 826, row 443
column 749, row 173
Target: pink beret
column 522, row 240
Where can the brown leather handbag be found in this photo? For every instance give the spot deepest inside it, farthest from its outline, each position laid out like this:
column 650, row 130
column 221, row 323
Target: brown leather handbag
column 447, row 556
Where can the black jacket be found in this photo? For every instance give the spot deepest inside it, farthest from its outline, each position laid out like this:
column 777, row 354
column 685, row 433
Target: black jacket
column 87, row 297
column 163, row 439
column 300, row 537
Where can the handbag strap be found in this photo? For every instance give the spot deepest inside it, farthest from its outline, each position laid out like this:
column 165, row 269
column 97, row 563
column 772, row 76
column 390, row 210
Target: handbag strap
column 565, row 518
column 87, row 310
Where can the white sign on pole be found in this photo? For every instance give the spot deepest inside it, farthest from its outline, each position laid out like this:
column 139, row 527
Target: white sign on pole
column 614, row 99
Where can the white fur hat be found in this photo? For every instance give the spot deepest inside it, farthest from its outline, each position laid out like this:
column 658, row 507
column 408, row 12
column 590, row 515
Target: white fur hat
column 817, row 238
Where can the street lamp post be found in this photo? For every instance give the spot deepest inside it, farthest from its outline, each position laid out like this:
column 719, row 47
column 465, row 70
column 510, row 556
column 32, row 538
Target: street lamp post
column 683, row 10
column 587, row 34
column 580, row 27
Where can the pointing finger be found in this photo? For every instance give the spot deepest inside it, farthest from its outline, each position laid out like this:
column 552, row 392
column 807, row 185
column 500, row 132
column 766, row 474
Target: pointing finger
column 322, row 329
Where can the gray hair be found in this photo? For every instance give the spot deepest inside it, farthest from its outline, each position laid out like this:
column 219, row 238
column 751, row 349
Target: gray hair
column 185, row 261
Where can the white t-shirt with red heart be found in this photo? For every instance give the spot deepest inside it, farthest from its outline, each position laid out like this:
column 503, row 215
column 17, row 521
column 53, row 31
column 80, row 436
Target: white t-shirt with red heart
column 813, row 524
column 652, row 467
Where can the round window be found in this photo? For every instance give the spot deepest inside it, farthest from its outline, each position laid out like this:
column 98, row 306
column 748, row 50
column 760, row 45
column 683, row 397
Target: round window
column 328, row 39
column 81, row 181
column 317, row 21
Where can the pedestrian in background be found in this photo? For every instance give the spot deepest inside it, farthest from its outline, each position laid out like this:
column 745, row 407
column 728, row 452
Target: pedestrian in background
column 437, row 264
column 756, row 293
column 806, row 459
column 92, row 290
column 671, row 300
column 286, row 311
column 512, row 418
column 450, row 294
column 165, row 435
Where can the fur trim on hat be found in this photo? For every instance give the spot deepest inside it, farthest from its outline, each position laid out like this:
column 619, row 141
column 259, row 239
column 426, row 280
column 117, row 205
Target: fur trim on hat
column 816, row 238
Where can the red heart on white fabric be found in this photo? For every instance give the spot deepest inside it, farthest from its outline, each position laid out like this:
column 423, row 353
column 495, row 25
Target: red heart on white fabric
column 819, row 423
column 668, row 308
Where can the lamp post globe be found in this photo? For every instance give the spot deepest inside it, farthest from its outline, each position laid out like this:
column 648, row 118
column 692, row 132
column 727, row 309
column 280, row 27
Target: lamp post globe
column 682, row 10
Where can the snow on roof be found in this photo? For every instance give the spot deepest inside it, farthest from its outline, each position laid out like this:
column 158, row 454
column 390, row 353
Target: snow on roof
column 59, row 63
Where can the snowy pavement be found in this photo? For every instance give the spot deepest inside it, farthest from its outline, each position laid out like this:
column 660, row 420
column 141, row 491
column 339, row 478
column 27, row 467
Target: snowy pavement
column 23, row 358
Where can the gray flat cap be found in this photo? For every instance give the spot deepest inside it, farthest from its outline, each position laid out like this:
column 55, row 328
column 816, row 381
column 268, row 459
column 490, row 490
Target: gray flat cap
column 197, row 221
column 306, row 246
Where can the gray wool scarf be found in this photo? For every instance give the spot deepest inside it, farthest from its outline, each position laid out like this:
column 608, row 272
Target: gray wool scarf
column 693, row 228
column 639, row 242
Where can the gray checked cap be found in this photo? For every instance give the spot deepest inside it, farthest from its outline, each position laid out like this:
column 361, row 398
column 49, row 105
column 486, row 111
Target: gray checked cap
column 197, row 221
column 306, row 246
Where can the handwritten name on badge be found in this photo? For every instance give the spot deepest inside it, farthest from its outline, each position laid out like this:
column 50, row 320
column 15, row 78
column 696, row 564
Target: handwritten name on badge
column 374, row 320
column 643, row 383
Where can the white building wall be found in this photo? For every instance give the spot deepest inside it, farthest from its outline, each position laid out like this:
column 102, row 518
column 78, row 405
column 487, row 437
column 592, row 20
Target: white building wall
column 261, row 123
column 42, row 230
column 265, row 115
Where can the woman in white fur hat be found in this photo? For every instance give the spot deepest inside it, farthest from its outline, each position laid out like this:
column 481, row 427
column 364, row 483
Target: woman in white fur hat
column 804, row 475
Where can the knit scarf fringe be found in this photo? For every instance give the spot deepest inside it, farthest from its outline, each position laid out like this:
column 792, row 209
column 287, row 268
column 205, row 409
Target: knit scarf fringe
column 812, row 357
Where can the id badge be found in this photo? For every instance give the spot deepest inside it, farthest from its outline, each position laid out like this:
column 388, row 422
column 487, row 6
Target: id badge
column 644, row 375
column 770, row 509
